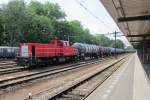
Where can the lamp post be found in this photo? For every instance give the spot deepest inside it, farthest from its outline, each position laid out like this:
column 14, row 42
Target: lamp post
column 115, row 44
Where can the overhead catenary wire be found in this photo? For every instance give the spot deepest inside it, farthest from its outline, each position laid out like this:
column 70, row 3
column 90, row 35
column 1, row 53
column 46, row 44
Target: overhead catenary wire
column 99, row 19
column 92, row 14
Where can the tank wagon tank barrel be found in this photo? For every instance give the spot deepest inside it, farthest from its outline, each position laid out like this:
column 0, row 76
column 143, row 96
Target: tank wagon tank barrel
column 7, row 52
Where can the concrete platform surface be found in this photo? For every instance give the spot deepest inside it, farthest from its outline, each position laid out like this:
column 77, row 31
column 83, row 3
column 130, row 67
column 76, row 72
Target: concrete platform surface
column 147, row 69
column 129, row 82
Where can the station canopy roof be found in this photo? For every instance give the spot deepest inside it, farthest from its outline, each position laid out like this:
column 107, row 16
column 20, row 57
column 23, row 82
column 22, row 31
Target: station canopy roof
column 132, row 17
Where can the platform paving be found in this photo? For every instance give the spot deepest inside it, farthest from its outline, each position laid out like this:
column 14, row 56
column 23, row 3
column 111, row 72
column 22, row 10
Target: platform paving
column 129, row 82
column 147, row 69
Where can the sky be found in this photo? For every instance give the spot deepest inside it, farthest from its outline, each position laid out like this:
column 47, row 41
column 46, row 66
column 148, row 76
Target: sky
column 96, row 19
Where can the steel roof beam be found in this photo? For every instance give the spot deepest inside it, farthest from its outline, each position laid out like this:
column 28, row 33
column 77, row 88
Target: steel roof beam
column 134, row 18
column 142, row 35
column 137, row 41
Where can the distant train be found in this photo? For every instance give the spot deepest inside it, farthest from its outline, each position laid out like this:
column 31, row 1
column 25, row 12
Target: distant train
column 95, row 51
column 31, row 54
column 7, row 52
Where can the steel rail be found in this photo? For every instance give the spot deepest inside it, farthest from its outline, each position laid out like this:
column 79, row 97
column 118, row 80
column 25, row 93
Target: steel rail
column 76, row 84
column 24, row 78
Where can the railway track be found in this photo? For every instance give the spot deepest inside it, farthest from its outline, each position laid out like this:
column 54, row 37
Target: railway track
column 11, row 70
column 6, row 60
column 11, row 67
column 28, row 77
column 8, row 68
column 83, row 86
column 25, row 77
column 7, row 64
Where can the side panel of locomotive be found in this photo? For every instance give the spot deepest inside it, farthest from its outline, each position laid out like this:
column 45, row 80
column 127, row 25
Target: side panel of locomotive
column 35, row 53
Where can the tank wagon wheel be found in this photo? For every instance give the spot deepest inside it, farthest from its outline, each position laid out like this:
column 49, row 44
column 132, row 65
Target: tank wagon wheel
column 83, row 57
column 97, row 56
column 76, row 58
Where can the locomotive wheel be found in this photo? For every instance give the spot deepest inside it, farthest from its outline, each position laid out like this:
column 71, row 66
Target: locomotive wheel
column 83, row 57
column 27, row 66
column 75, row 58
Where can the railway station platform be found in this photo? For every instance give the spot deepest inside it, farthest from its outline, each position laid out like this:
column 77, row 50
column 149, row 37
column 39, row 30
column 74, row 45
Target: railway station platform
column 129, row 82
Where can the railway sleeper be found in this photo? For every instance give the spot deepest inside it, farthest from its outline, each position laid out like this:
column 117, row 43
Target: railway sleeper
column 72, row 96
column 66, row 91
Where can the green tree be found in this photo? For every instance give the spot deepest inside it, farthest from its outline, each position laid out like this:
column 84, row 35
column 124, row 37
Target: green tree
column 15, row 21
column 119, row 44
column 61, row 30
column 77, row 30
column 2, row 33
column 41, row 26
column 44, row 19
column 40, row 22
column 103, row 40
column 48, row 9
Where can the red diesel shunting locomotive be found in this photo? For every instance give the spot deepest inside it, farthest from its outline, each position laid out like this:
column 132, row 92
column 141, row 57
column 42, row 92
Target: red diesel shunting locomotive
column 31, row 54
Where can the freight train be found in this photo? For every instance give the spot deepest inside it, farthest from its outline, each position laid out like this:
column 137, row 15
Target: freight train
column 32, row 54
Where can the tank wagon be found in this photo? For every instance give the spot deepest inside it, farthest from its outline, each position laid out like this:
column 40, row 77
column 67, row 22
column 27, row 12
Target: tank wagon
column 87, row 50
column 31, row 54
column 7, row 52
